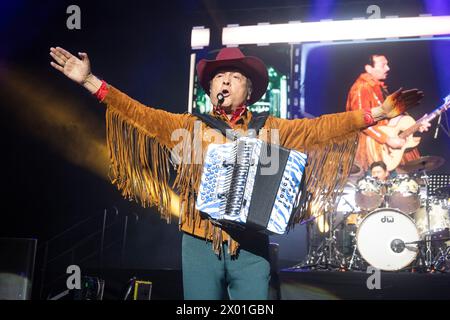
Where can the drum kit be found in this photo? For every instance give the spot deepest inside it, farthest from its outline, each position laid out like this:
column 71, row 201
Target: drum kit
column 394, row 225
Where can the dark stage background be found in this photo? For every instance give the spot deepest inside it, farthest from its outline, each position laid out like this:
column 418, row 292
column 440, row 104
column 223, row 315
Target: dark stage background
column 53, row 159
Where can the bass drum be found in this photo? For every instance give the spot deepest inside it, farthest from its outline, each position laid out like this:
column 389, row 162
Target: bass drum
column 382, row 239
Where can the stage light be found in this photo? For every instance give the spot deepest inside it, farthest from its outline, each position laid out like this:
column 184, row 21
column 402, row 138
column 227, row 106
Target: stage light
column 175, row 204
column 199, row 37
column 336, row 30
column 68, row 127
column 320, row 217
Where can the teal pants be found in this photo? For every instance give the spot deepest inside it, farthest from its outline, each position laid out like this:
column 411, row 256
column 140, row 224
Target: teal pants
column 209, row 277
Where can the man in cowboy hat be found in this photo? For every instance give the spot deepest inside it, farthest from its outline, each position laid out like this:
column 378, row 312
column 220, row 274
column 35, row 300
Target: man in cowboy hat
column 139, row 139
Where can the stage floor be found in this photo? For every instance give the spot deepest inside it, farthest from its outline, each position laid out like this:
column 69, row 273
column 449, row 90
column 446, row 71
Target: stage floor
column 298, row 284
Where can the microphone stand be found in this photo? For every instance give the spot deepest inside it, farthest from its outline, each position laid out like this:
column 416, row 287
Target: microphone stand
column 441, row 126
column 437, row 126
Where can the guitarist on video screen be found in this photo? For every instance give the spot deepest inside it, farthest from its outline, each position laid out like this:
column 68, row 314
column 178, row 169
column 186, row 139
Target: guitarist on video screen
column 381, row 142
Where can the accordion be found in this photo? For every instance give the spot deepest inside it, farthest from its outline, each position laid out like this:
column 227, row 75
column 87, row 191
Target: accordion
column 251, row 184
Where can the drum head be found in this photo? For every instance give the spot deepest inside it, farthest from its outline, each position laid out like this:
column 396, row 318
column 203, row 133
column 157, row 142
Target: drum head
column 439, row 215
column 403, row 194
column 381, row 236
column 369, row 194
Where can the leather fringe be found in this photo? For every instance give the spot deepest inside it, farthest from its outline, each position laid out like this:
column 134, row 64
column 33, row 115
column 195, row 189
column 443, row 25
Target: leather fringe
column 187, row 182
column 326, row 174
column 140, row 169
column 139, row 165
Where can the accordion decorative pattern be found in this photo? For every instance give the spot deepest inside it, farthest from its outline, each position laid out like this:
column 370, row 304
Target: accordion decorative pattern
column 230, row 181
column 289, row 190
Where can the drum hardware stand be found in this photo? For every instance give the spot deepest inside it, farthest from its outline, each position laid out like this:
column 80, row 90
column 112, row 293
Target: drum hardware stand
column 326, row 256
column 442, row 259
column 427, row 261
column 355, row 246
column 428, row 254
column 353, row 257
column 433, row 265
column 323, row 257
column 422, row 265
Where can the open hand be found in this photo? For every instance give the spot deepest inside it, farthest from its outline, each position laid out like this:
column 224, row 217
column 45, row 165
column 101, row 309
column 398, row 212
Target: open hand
column 400, row 101
column 74, row 68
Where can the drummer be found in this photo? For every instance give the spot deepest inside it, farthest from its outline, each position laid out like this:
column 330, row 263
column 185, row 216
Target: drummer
column 378, row 170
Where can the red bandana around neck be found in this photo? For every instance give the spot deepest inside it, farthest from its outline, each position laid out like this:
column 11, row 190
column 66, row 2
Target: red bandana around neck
column 236, row 115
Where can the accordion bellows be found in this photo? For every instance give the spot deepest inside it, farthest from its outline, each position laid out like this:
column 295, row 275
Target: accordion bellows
column 250, row 184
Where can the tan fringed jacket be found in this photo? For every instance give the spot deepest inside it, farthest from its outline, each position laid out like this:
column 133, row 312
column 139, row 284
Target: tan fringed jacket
column 140, row 140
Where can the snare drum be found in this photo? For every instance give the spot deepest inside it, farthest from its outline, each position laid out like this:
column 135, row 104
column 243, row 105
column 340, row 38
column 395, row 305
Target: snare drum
column 384, row 239
column 369, row 193
column 403, row 194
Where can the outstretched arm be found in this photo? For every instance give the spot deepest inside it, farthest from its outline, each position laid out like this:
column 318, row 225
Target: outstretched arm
column 153, row 122
column 301, row 133
column 361, row 98
column 137, row 136
column 76, row 69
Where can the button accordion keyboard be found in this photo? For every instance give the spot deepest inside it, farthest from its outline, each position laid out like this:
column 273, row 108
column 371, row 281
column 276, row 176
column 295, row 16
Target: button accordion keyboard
column 251, row 184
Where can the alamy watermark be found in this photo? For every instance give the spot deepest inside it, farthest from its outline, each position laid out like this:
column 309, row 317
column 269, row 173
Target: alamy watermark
column 374, row 280
column 74, row 279
column 74, row 20
column 190, row 147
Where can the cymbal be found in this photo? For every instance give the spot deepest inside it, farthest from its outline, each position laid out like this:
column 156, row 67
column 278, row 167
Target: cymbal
column 443, row 191
column 426, row 163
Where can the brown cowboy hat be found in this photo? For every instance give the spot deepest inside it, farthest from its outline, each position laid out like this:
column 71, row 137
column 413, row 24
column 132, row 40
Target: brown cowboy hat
column 252, row 67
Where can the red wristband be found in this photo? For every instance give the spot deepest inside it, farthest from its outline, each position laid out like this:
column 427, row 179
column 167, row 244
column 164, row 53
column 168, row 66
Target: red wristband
column 368, row 118
column 102, row 91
